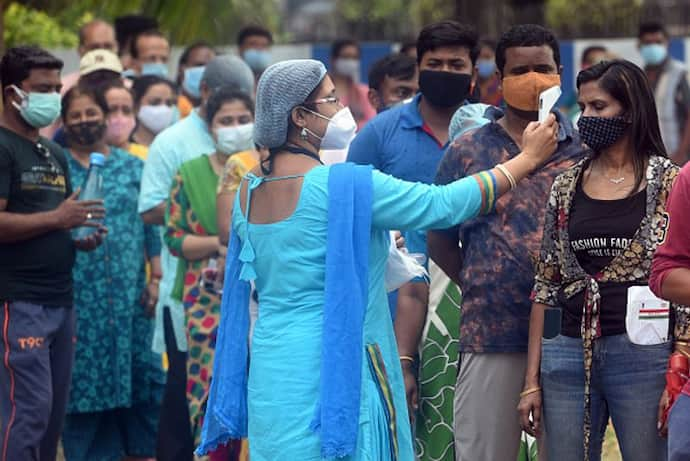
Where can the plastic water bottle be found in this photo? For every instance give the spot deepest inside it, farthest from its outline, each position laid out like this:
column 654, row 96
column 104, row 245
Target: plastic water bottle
column 92, row 189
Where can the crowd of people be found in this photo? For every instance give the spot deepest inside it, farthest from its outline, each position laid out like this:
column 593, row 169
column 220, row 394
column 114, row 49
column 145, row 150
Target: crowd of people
column 231, row 296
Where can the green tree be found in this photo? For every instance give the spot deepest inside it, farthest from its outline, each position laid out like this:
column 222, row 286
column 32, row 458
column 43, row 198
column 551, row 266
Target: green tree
column 24, row 25
column 602, row 18
column 213, row 20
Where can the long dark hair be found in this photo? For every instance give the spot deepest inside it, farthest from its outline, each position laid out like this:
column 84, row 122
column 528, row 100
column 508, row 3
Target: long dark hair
column 628, row 84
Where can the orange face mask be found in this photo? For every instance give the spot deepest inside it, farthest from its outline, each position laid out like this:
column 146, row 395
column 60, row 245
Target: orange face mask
column 522, row 91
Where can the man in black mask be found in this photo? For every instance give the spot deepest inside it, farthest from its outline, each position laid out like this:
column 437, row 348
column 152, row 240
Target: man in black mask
column 494, row 266
column 408, row 142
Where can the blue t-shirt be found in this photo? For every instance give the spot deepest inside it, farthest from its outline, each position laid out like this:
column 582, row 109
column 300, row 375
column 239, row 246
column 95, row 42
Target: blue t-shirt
column 398, row 142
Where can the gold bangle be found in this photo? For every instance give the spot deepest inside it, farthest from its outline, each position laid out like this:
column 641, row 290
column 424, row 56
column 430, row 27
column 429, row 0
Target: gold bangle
column 530, row 391
column 407, row 358
column 509, row 176
column 682, row 343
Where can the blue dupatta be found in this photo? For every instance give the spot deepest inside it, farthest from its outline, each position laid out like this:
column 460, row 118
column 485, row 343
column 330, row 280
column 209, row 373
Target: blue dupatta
column 350, row 199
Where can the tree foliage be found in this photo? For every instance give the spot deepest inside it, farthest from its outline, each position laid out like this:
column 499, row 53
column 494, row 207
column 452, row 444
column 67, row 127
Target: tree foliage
column 25, row 25
column 183, row 21
column 601, row 18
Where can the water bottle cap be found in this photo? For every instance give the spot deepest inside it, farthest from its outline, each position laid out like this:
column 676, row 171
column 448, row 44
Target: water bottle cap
column 97, row 159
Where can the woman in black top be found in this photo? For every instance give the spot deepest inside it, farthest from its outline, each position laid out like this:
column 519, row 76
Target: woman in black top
column 605, row 337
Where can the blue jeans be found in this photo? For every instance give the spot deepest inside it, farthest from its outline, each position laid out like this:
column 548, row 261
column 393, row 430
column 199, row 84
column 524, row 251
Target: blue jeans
column 627, row 383
column 679, row 430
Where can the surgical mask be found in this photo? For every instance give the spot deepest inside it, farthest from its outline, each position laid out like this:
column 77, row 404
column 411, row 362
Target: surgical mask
column 38, row 109
column 444, row 89
column 522, row 91
column 257, row 60
column 340, row 130
column 128, row 73
column 156, row 118
column 119, row 128
column 158, row 69
column 85, row 133
column 233, row 139
column 347, row 67
column 486, row 68
column 599, row 133
column 192, row 81
column 653, row 54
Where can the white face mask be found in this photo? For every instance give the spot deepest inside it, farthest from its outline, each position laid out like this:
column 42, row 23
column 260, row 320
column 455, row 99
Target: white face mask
column 233, row 139
column 347, row 67
column 156, row 118
column 340, row 131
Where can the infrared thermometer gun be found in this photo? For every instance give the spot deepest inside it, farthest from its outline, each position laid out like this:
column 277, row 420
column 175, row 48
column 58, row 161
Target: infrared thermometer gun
column 547, row 100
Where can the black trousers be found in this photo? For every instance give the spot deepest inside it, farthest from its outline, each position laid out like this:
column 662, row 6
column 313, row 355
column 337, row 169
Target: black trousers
column 175, row 441
column 37, row 349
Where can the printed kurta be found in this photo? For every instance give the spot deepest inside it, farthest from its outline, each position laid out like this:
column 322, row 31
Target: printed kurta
column 114, row 366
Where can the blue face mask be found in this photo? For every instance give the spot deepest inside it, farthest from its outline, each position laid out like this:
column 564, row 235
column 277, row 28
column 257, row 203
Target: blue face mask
column 129, row 73
column 486, row 68
column 257, row 60
column 38, row 109
column 653, row 54
column 158, row 69
column 192, row 81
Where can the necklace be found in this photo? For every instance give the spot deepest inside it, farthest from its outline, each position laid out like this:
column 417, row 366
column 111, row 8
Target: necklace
column 617, row 181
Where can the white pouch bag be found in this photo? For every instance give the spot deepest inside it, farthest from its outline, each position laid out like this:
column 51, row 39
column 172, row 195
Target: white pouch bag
column 401, row 267
column 647, row 317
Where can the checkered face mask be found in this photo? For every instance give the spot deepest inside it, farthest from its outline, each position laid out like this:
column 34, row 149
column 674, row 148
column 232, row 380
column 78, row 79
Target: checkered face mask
column 601, row 132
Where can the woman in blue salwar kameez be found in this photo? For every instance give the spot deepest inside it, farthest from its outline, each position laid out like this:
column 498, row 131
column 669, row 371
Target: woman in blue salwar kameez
column 324, row 375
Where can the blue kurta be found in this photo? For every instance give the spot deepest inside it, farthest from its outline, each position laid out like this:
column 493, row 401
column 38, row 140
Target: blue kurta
column 114, row 366
column 284, row 374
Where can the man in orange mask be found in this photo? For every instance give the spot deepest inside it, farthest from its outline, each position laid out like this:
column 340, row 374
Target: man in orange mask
column 493, row 265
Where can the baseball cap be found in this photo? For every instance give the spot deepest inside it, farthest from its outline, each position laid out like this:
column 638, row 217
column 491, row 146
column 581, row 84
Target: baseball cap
column 99, row 60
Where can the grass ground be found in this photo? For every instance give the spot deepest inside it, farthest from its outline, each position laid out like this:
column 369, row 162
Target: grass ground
column 610, row 451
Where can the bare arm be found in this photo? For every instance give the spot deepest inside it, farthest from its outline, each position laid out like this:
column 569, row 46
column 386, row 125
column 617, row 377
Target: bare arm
column 18, row 227
column 536, row 329
column 156, row 270
column 444, row 250
column 196, row 247
column 530, row 407
column 224, row 204
column 413, row 301
column 155, row 215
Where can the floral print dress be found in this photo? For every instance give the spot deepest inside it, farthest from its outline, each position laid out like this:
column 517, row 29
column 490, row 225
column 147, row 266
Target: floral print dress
column 114, row 366
column 191, row 211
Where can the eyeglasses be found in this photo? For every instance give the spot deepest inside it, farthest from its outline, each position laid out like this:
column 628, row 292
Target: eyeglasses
column 328, row 100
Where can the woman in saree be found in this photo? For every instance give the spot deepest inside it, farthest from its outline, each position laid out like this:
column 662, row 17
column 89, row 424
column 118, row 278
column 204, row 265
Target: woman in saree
column 324, row 378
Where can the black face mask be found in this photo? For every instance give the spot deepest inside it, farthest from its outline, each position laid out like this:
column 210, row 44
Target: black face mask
column 601, row 132
column 444, row 89
column 85, row 133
